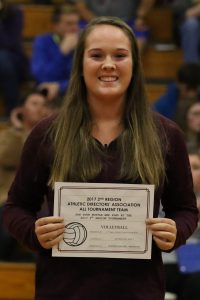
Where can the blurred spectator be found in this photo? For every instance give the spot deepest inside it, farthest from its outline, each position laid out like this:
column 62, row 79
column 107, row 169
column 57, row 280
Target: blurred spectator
column 188, row 119
column 133, row 12
column 53, row 52
column 12, row 139
column 194, row 157
column 187, row 27
column 186, row 87
column 185, row 286
column 13, row 62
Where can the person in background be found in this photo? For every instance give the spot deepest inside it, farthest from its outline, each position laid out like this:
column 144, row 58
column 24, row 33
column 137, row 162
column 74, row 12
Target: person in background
column 134, row 12
column 12, row 139
column 14, row 65
column 186, row 286
column 194, row 158
column 186, row 87
column 104, row 133
column 193, row 124
column 23, row 119
column 188, row 118
column 53, row 52
column 187, row 28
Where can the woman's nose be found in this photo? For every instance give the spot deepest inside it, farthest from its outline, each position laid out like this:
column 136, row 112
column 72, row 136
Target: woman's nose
column 108, row 64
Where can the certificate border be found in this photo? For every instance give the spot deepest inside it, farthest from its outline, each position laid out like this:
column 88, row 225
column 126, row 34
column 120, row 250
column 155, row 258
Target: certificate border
column 108, row 188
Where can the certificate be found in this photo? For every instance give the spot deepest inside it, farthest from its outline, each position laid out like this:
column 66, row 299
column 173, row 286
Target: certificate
column 104, row 220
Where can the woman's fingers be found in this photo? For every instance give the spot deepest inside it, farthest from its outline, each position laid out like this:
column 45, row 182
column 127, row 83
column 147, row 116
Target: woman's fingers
column 163, row 244
column 164, row 240
column 48, row 220
column 50, row 243
column 168, row 236
column 164, row 232
column 49, row 231
column 51, row 235
column 49, row 228
column 151, row 221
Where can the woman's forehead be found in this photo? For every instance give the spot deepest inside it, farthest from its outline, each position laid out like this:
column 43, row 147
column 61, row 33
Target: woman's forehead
column 104, row 34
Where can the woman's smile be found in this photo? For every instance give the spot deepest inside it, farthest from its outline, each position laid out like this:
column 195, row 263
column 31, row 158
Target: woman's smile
column 108, row 78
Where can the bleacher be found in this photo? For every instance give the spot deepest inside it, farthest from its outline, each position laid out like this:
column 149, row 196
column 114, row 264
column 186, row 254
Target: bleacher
column 17, row 281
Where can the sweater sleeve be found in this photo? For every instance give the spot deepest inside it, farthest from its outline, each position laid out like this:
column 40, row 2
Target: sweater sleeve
column 178, row 199
column 27, row 192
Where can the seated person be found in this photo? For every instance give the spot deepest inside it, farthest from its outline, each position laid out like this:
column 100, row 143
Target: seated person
column 14, row 65
column 53, row 52
column 186, row 87
column 187, row 28
column 12, row 139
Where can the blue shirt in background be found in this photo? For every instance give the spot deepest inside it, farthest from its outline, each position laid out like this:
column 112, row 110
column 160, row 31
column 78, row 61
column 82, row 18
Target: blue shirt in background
column 166, row 105
column 48, row 63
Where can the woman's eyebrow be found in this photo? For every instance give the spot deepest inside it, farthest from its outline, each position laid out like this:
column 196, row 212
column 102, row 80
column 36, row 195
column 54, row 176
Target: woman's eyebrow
column 99, row 49
column 94, row 49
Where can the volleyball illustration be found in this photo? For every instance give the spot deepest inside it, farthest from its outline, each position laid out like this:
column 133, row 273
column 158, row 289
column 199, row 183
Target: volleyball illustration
column 75, row 234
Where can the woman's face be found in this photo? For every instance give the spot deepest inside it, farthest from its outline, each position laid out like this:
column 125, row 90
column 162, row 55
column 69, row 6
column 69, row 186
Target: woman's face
column 107, row 63
column 193, row 117
column 195, row 168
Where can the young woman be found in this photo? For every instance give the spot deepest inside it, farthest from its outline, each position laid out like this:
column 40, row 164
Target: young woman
column 105, row 132
column 188, row 118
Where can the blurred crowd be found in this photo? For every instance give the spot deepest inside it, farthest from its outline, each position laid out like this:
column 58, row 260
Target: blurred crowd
column 52, row 52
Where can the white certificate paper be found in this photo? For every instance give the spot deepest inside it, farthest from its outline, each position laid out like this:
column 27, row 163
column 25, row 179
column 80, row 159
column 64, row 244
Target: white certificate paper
column 104, row 220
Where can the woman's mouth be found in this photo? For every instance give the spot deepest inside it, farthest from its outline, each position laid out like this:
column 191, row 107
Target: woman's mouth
column 108, row 78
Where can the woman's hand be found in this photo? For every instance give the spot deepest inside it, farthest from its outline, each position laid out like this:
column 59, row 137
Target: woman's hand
column 49, row 231
column 164, row 232
column 69, row 42
column 52, row 89
column 14, row 117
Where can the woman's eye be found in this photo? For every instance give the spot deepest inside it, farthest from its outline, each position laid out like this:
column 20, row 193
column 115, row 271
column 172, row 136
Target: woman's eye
column 195, row 168
column 96, row 56
column 120, row 56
